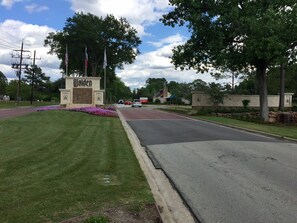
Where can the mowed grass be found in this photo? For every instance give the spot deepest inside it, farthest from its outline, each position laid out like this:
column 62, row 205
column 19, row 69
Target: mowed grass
column 281, row 130
column 55, row 165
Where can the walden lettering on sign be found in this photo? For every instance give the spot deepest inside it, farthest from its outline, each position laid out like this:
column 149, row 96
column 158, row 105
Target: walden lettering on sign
column 82, row 83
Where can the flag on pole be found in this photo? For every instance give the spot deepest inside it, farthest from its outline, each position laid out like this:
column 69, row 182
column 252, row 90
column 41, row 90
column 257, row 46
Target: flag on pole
column 105, row 59
column 86, row 60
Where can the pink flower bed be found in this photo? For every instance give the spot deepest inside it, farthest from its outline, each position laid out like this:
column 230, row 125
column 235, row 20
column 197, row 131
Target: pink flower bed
column 109, row 111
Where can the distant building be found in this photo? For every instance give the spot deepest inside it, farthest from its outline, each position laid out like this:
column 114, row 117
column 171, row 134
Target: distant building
column 163, row 95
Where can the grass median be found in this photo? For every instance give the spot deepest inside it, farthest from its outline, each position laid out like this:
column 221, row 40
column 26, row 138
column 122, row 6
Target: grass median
column 280, row 130
column 55, row 165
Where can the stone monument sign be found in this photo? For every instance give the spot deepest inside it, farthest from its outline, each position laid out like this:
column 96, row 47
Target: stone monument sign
column 81, row 92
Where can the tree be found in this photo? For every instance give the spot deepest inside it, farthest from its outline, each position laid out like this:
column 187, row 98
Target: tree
column 247, row 86
column 281, row 106
column 55, row 88
column 241, row 36
column 199, row 85
column 87, row 30
column 3, row 83
column 38, row 81
column 119, row 90
column 154, row 85
column 11, row 90
column 180, row 91
column 151, row 88
column 275, row 78
column 216, row 92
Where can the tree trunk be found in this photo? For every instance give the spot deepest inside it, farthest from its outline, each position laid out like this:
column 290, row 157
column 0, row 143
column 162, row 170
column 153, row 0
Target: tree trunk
column 262, row 80
column 282, row 88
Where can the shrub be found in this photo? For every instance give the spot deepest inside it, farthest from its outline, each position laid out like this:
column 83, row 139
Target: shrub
column 157, row 101
column 245, row 103
column 99, row 219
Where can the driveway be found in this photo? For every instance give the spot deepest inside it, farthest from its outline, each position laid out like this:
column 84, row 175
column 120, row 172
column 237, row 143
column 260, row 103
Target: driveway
column 223, row 174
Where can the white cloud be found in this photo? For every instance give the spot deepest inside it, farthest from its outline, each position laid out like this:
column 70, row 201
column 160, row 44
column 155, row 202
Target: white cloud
column 12, row 33
column 139, row 13
column 168, row 40
column 156, row 64
column 36, row 8
column 9, row 3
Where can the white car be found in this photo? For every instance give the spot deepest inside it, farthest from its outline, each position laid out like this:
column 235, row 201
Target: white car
column 136, row 103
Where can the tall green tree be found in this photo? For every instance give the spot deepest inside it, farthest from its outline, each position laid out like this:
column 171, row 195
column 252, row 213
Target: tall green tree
column 216, row 92
column 94, row 33
column 240, row 35
column 198, row 85
column 11, row 90
column 3, row 83
column 179, row 91
column 38, row 82
column 290, row 80
column 154, row 85
column 119, row 91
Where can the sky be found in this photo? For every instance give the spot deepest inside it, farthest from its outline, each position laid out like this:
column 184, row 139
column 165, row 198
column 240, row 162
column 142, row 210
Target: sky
column 32, row 20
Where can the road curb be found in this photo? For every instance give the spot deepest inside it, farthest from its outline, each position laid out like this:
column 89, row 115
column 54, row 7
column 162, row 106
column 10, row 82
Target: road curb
column 169, row 203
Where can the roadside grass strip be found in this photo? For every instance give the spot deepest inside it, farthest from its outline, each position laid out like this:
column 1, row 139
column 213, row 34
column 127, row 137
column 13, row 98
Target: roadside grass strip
column 106, row 111
column 56, row 165
column 281, row 130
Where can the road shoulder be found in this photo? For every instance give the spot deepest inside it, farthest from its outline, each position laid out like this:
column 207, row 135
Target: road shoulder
column 170, row 205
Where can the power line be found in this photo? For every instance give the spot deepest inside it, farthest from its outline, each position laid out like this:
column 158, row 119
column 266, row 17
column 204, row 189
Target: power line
column 6, row 47
column 7, row 43
column 12, row 36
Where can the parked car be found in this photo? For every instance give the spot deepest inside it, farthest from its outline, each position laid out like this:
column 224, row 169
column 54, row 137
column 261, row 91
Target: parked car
column 121, row 101
column 136, row 103
column 128, row 102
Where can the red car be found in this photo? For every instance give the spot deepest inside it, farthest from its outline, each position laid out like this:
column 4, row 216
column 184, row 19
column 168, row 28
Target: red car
column 128, row 103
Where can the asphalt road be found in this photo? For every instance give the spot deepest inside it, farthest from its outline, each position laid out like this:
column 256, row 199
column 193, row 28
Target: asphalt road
column 223, row 174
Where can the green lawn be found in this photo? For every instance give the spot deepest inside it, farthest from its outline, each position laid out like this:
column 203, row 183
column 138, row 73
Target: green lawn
column 276, row 129
column 281, row 130
column 55, row 165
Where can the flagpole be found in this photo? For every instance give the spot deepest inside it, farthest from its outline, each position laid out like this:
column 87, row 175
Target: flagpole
column 66, row 60
column 86, row 60
column 104, row 85
column 104, row 67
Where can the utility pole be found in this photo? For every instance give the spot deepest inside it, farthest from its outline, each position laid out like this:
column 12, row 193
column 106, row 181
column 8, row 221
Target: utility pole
column 21, row 55
column 33, row 76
